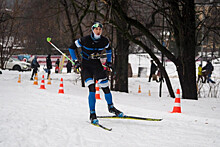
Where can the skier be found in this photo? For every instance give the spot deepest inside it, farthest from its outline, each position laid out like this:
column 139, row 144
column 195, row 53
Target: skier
column 34, row 65
column 49, row 65
column 92, row 69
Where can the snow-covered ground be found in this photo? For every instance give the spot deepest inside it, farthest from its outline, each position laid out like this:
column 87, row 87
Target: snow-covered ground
column 32, row 117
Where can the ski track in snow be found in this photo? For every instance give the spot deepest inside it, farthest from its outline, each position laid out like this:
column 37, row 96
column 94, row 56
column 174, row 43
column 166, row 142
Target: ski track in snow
column 30, row 116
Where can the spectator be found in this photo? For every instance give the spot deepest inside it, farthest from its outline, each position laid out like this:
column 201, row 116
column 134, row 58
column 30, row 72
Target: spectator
column 34, row 65
column 49, row 65
column 208, row 68
column 159, row 74
column 153, row 70
column 57, row 69
column 200, row 73
column 58, row 62
column 69, row 66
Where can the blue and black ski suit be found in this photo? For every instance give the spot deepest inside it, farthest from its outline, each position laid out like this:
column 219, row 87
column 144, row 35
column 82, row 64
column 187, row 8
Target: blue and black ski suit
column 91, row 66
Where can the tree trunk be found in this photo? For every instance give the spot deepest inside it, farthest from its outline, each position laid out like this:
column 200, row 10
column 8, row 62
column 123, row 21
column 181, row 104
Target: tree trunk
column 187, row 77
column 121, row 58
column 186, row 60
column 186, row 70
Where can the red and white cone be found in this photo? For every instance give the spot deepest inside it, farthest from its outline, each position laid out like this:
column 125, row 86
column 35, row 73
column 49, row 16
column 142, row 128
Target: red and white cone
column 61, row 90
column 97, row 92
column 42, row 86
column 177, row 107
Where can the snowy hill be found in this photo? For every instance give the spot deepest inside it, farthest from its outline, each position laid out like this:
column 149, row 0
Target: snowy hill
column 32, row 117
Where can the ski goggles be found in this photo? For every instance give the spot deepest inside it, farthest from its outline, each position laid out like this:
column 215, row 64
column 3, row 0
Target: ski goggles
column 96, row 25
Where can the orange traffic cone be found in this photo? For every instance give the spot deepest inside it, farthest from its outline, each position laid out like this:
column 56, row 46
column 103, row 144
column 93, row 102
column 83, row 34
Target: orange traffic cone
column 149, row 93
column 35, row 80
column 97, row 92
column 42, row 86
column 61, row 87
column 139, row 89
column 177, row 108
column 19, row 78
column 49, row 81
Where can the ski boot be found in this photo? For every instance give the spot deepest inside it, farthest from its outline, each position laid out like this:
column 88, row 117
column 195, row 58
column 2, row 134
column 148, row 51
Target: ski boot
column 115, row 111
column 93, row 118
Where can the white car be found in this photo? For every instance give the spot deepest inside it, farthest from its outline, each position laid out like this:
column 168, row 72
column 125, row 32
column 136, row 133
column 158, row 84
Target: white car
column 15, row 64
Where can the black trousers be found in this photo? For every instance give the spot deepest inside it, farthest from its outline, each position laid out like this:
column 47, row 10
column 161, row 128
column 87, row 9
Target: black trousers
column 33, row 72
column 93, row 69
column 48, row 73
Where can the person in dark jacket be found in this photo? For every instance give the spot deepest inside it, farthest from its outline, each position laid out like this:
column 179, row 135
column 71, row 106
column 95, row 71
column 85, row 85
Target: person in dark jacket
column 208, row 72
column 69, row 66
column 58, row 62
column 49, row 65
column 57, row 66
column 34, row 65
column 153, row 69
column 92, row 69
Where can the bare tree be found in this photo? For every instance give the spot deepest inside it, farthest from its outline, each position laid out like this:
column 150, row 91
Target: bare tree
column 181, row 17
column 9, row 29
column 207, row 28
column 76, row 26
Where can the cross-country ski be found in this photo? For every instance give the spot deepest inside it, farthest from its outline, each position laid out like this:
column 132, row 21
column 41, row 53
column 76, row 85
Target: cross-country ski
column 131, row 117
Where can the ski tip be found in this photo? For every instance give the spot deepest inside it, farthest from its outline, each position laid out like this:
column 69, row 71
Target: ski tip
column 108, row 129
column 48, row 39
column 101, row 126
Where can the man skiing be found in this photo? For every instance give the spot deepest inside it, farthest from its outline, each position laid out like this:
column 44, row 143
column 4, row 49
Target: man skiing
column 92, row 69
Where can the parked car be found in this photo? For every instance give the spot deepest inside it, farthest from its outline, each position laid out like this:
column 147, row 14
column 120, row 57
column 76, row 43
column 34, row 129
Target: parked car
column 15, row 64
column 24, row 57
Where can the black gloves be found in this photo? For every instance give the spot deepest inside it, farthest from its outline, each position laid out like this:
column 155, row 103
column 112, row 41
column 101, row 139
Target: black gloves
column 77, row 64
column 108, row 64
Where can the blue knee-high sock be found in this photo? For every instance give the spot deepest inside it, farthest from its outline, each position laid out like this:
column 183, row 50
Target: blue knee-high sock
column 92, row 101
column 108, row 98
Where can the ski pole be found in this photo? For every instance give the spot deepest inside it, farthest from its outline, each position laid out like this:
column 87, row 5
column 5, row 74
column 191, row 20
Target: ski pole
column 49, row 41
